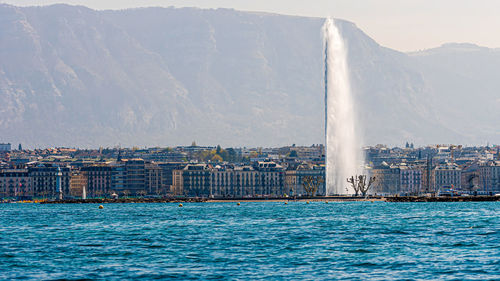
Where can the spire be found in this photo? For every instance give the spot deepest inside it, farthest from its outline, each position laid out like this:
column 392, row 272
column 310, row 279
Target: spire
column 58, row 183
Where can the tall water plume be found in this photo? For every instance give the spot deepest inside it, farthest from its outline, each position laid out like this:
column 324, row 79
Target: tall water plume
column 343, row 144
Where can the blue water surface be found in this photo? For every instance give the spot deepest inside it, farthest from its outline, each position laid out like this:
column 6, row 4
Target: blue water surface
column 268, row 240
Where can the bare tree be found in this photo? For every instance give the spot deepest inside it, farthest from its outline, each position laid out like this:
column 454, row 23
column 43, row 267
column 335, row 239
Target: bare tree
column 142, row 193
column 359, row 184
column 365, row 187
column 311, row 184
column 126, row 193
column 355, row 184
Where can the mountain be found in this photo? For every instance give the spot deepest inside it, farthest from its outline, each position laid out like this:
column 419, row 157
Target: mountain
column 464, row 80
column 74, row 76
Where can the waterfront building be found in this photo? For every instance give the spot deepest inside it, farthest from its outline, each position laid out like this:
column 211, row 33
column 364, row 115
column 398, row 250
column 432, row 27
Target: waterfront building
column 98, row 180
column 119, row 178
column 234, row 181
column 245, row 182
column 261, row 179
column 428, row 175
column 470, row 177
column 398, row 171
column 291, row 187
column 410, row 179
column 294, row 179
column 387, row 179
column 15, row 183
column 196, row 180
column 167, row 175
column 177, row 187
column 44, row 177
column 221, row 182
column 77, row 182
column 489, row 177
column 136, row 176
column 271, row 179
column 447, row 175
column 154, row 179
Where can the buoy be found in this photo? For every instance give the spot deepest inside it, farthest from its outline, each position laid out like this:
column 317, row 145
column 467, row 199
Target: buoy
column 307, row 202
column 180, row 205
column 238, row 203
column 372, row 201
column 326, row 202
column 286, row 203
column 101, row 207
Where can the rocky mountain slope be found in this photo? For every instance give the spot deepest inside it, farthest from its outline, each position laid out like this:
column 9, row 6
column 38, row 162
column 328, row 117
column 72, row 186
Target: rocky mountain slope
column 73, row 76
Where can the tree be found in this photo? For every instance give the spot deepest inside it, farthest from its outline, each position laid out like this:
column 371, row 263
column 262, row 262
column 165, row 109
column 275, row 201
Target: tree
column 224, row 154
column 311, row 184
column 142, row 193
column 359, row 184
column 216, row 158
column 354, row 183
column 293, row 153
column 126, row 193
column 231, row 155
column 365, row 187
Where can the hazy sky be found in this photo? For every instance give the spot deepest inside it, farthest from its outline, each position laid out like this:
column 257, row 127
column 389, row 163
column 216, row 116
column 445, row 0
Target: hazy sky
column 405, row 25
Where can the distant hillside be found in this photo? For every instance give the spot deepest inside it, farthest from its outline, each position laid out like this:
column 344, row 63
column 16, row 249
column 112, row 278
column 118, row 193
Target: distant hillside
column 73, row 76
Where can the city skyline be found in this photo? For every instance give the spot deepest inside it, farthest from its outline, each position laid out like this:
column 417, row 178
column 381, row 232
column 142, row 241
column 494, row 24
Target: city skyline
column 210, row 172
column 236, row 139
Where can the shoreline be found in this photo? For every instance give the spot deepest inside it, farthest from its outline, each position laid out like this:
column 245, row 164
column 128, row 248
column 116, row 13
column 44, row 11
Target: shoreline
column 391, row 199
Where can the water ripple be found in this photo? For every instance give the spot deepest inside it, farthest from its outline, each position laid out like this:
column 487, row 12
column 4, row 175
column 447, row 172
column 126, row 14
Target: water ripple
column 272, row 241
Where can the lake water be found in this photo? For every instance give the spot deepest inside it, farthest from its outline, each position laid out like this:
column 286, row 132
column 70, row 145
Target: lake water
column 272, row 241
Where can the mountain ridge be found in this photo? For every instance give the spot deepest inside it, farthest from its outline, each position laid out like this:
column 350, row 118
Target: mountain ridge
column 74, row 76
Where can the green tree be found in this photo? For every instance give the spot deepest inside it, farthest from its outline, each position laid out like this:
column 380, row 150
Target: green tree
column 216, row 158
column 231, row 155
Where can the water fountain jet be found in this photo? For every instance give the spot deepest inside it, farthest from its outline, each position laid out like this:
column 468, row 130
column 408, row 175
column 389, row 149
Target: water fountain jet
column 343, row 144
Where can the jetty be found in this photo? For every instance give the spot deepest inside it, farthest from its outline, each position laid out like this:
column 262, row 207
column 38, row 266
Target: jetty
column 391, row 199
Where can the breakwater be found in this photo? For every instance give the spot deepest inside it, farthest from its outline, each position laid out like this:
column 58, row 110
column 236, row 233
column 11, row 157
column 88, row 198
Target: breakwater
column 123, row 200
column 278, row 199
column 442, row 199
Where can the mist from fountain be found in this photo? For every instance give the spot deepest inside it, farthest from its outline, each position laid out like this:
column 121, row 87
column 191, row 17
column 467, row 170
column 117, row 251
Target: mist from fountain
column 343, row 142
